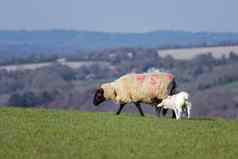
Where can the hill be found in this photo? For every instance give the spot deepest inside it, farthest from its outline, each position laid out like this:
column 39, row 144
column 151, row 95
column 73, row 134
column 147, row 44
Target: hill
column 71, row 41
column 38, row 133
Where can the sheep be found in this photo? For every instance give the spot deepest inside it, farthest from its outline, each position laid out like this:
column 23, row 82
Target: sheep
column 148, row 88
column 179, row 103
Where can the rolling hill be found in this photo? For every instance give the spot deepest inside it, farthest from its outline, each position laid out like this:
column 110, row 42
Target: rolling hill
column 70, row 41
column 39, row 133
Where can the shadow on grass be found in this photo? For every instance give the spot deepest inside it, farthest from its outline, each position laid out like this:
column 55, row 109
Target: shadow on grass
column 152, row 116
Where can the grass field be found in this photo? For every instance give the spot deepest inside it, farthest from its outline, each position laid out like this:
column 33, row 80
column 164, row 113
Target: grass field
column 189, row 53
column 37, row 133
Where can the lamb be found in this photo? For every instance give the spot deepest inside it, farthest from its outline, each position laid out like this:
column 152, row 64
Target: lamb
column 148, row 88
column 179, row 103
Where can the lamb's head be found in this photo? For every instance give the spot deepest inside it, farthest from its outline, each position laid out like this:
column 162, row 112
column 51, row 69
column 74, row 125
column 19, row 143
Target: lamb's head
column 98, row 97
column 185, row 95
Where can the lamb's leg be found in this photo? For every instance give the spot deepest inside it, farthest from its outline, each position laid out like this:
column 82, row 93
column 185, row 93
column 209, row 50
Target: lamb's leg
column 189, row 114
column 189, row 107
column 176, row 113
column 179, row 113
column 164, row 112
column 139, row 108
column 120, row 108
column 184, row 112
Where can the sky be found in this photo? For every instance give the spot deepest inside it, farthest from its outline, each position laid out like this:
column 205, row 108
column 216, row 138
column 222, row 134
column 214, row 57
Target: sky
column 120, row 15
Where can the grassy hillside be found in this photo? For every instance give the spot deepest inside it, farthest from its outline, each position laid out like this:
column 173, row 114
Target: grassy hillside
column 27, row 133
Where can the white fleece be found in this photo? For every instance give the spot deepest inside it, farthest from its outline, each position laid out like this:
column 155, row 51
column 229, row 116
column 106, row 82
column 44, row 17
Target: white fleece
column 179, row 103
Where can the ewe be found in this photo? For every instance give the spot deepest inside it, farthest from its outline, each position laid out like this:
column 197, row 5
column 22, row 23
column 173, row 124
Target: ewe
column 148, row 88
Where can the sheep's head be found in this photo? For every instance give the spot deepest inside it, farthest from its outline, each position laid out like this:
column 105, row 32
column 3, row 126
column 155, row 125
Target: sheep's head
column 99, row 97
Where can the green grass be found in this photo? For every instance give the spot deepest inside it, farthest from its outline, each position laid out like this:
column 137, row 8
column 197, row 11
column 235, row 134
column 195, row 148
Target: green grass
column 37, row 133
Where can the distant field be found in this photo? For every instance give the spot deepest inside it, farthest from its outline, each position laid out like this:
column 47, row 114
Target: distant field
column 34, row 66
column 186, row 53
column 232, row 86
column 189, row 53
column 29, row 133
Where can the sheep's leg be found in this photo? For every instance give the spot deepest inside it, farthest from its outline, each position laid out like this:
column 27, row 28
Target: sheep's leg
column 120, row 108
column 139, row 108
column 158, row 110
column 164, row 111
column 173, row 114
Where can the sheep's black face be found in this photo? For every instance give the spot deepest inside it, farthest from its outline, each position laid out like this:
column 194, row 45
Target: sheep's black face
column 98, row 97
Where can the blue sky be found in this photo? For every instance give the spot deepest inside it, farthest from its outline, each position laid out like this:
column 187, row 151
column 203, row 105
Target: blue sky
column 120, row 15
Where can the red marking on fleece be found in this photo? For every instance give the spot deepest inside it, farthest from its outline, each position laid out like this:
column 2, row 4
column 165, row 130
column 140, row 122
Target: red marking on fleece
column 153, row 80
column 140, row 78
column 155, row 76
column 170, row 76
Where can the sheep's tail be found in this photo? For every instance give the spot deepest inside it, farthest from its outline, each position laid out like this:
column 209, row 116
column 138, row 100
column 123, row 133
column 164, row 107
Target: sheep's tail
column 173, row 87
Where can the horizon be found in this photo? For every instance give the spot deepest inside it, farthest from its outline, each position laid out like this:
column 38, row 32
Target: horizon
column 111, row 32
